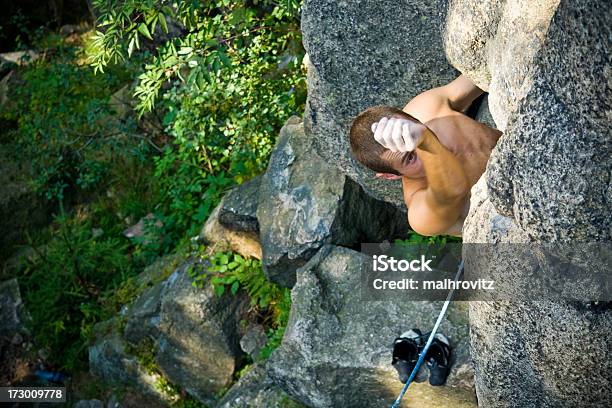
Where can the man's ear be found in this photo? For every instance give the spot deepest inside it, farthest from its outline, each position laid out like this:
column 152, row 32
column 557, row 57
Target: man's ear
column 388, row 176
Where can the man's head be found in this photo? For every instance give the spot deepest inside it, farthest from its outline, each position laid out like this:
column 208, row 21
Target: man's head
column 369, row 152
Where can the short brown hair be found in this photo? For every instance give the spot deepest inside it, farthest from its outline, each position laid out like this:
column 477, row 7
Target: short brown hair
column 365, row 148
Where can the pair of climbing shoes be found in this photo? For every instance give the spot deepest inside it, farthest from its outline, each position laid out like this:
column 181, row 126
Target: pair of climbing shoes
column 406, row 351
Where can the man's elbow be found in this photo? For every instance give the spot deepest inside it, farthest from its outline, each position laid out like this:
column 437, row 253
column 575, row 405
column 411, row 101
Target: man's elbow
column 426, row 230
column 440, row 220
column 430, row 227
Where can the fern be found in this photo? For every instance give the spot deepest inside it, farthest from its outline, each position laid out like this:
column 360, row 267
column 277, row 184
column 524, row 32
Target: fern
column 231, row 271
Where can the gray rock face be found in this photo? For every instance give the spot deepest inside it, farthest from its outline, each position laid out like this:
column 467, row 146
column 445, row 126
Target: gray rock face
column 222, row 238
column 304, row 203
column 337, row 349
column 484, row 114
column 494, row 43
column 551, row 170
column 254, row 340
column 541, row 354
column 366, row 53
column 547, row 181
column 143, row 316
column 255, row 390
column 484, row 224
column 14, row 336
column 198, row 346
column 12, row 311
column 239, row 209
column 534, row 353
column 109, row 360
column 192, row 333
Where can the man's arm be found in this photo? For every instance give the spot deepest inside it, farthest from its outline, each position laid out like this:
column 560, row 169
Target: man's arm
column 436, row 208
column 458, row 95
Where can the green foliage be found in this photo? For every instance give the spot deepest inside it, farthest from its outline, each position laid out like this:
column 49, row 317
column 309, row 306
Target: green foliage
column 277, row 330
column 213, row 35
column 66, row 285
column 437, row 248
column 216, row 81
column 231, row 272
column 60, row 111
column 235, row 271
column 229, row 75
column 414, row 238
column 145, row 355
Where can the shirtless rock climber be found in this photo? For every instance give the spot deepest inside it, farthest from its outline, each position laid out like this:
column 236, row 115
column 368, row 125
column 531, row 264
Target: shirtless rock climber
column 436, row 150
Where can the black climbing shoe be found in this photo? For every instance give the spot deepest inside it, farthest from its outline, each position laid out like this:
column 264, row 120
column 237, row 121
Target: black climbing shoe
column 406, row 349
column 438, row 360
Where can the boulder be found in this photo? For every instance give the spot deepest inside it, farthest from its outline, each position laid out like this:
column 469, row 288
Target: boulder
column 551, row 170
column 494, row 43
column 233, row 225
column 239, row 209
column 304, row 203
column 254, row 390
column 547, row 182
column 13, row 315
column 222, row 238
column 14, row 336
column 366, row 53
column 337, row 346
column 198, row 347
column 254, row 340
column 143, row 316
column 110, row 360
column 187, row 335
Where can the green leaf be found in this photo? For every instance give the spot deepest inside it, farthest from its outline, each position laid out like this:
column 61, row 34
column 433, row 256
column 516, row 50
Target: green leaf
column 234, row 288
column 131, row 46
column 144, row 30
column 225, row 59
column 163, row 23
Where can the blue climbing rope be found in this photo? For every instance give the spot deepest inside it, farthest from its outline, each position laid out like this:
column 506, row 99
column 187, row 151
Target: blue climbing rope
column 398, row 401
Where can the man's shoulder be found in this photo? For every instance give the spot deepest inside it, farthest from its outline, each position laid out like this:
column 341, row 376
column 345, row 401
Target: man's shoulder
column 428, row 105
